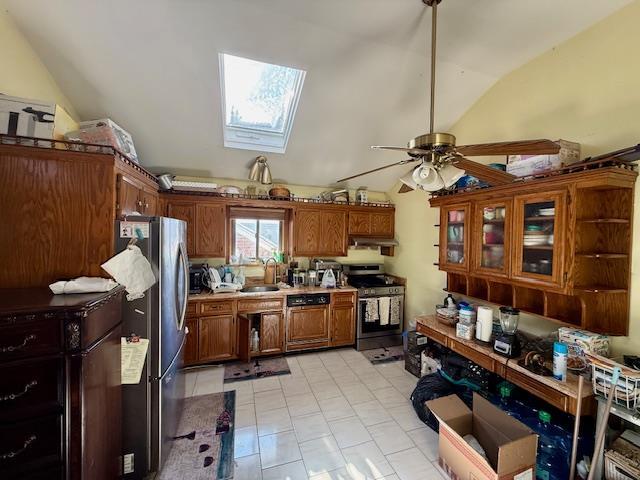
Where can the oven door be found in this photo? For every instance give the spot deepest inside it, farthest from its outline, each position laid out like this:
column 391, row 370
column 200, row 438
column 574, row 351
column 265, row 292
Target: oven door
column 373, row 328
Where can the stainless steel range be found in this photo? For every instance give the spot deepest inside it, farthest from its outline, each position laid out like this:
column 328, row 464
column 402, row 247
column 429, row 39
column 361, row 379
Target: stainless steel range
column 376, row 293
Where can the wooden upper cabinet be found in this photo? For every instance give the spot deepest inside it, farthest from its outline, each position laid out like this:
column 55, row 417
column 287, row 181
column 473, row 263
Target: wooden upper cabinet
column 454, row 237
column 539, row 228
column 383, row 224
column 379, row 222
column 306, row 231
column 359, row 223
column 150, row 202
column 185, row 211
column 491, row 238
column 333, row 233
column 210, row 230
column 318, row 231
column 128, row 200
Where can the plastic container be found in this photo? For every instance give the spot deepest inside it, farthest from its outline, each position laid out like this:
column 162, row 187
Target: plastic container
column 467, row 314
column 560, row 355
column 554, row 449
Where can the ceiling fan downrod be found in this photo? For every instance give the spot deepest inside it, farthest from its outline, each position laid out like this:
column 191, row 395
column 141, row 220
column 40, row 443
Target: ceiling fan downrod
column 434, row 29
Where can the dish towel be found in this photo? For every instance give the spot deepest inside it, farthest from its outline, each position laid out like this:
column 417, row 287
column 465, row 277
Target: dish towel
column 395, row 311
column 131, row 269
column 384, row 304
column 83, row 285
column 371, row 310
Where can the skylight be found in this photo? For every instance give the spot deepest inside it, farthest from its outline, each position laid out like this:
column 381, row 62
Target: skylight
column 259, row 103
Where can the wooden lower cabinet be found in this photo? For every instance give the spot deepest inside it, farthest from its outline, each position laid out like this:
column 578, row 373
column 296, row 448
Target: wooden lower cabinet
column 216, row 337
column 271, row 338
column 343, row 325
column 308, row 324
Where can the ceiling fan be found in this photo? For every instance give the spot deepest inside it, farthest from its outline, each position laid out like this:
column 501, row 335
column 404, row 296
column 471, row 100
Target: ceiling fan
column 442, row 163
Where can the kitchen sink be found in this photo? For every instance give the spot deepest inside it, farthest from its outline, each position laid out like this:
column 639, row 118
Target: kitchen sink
column 260, row 288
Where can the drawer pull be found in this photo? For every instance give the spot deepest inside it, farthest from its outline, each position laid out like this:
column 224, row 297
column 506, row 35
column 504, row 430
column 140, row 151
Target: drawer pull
column 15, row 453
column 13, row 348
column 13, row 396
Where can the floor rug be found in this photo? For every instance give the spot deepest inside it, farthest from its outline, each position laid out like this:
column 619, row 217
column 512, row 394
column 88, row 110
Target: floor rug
column 203, row 447
column 266, row 367
column 383, row 355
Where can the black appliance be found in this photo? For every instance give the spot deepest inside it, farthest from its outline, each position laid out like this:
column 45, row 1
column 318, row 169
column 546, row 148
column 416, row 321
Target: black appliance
column 372, row 283
column 308, row 299
column 196, row 278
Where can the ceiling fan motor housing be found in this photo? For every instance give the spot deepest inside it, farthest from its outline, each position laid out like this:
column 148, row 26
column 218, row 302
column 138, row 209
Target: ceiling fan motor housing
column 433, row 141
column 430, row 3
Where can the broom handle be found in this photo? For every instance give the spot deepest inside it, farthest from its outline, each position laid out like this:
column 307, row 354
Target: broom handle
column 602, row 428
column 576, row 429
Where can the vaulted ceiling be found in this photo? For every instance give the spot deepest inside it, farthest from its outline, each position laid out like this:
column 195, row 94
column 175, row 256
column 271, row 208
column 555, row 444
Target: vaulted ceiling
column 152, row 66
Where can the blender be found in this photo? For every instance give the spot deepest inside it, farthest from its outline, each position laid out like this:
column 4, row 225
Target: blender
column 507, row 343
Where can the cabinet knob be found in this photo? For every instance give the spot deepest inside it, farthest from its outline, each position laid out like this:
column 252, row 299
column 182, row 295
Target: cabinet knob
column 139, row 203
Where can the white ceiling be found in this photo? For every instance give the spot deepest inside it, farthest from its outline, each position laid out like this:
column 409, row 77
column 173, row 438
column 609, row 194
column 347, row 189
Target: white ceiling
column 152, row 66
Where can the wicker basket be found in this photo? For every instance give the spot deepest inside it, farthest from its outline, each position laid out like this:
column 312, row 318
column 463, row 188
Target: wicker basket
column 627, row 391
column 619, row 467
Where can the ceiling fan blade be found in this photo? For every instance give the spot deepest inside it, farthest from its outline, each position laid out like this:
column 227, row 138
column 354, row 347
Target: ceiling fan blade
column 485, row 173
column 410, row 151
column 401, row 162
column 405, row 188
column 521, row 147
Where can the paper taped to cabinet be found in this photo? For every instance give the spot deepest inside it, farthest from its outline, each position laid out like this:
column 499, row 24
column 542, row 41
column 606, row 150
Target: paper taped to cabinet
column 133, row 357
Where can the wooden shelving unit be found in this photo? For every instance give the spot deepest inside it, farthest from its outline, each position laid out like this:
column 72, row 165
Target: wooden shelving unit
column 580, row 278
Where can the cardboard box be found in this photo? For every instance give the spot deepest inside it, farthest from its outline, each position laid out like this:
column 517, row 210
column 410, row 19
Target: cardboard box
column 580, row 341
column 119, row 139
column 34, row 118
column 525, row 165
column 510, row 446
column 26, row 118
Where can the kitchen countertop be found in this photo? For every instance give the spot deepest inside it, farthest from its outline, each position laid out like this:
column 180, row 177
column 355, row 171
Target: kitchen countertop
column 283, row 292
column 569, row 388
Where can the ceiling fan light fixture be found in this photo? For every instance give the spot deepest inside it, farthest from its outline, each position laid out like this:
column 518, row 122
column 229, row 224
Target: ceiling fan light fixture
column 450, row 175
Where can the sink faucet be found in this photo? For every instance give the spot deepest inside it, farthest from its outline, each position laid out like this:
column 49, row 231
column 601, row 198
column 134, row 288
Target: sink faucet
column 275, row 268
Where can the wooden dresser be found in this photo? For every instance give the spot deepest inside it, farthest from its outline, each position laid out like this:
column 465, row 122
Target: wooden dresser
column 60, row 394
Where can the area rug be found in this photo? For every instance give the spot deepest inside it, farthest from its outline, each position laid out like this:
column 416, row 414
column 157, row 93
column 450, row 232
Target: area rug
column 267, row 367
column 384, row 355
column 203, row 448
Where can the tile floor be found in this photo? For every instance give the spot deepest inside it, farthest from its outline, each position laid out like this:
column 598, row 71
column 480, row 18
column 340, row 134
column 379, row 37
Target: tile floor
column 335, row 417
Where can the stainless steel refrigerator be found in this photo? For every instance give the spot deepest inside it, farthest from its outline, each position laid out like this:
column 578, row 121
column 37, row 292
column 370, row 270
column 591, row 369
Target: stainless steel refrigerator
column 152, row 408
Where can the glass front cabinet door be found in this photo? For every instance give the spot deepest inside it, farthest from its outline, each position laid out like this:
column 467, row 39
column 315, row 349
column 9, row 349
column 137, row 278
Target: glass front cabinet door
column 454, row 237
column 492, row 238
column 539, row 247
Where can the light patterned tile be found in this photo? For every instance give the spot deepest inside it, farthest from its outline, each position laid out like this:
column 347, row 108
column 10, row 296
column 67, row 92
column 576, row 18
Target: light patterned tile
column 371, row 413
column 321, row 455
column 411, row 464
column 349, row 432
column 245, row 441
column 288, row 471
column 327, row 389
column 367, row 461
column 247, row 468
column 269, row 400
column 302, row 404
column 312, row 426
column 406, row 417
column 335, row 408
column 294, row 386
column 278, row 449
column 265, row 384
column 426, row 440
column 389, row 397
column 274, row 421
column 390, row 438
column 356, row 393
column 245, row 415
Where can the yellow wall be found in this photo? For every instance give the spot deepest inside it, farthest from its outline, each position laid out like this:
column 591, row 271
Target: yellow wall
column 585, row 90
column 22, row 73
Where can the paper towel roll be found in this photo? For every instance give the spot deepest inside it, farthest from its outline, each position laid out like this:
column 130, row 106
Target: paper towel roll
column 484, row 324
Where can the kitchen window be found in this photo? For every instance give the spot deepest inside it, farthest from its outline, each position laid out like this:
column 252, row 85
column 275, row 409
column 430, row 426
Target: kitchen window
column 256, row 234
column 259, row 102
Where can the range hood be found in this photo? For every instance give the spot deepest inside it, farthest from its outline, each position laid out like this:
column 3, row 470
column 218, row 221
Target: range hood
column 373, row 242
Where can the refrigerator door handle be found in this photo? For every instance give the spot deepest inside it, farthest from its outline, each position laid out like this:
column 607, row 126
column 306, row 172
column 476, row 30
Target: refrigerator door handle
column 185, row 293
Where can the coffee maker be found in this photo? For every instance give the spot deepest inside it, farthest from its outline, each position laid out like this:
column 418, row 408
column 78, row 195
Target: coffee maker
column 507, row 343
column 196, row 277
